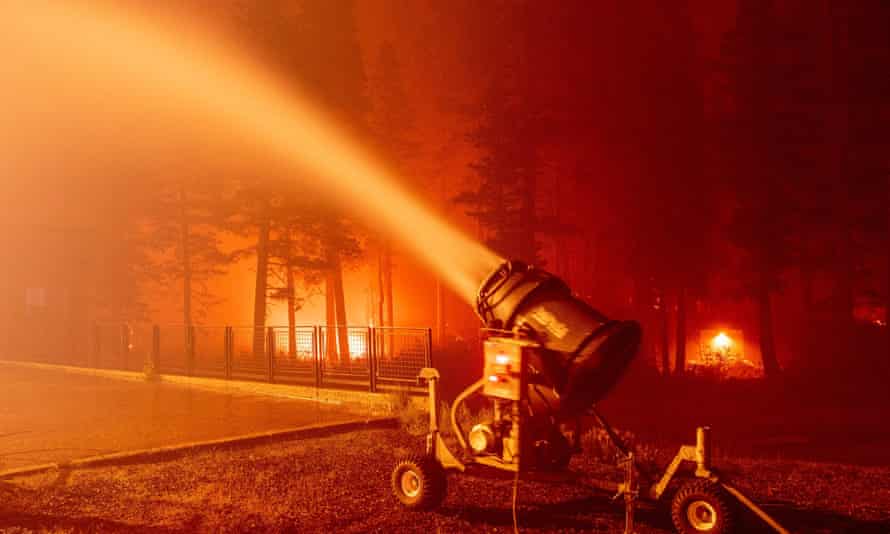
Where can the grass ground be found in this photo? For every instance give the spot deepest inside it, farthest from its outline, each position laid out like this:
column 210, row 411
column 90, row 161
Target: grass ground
column 341, row 484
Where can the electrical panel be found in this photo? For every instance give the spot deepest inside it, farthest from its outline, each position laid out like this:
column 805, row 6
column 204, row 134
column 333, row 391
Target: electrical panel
column 504, row 360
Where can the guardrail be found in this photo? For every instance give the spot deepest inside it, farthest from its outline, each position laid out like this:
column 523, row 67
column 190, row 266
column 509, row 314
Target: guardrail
column 339, row 356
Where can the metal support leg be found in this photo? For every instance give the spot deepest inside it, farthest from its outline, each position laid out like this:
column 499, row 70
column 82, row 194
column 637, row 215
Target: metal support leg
column 435, row 447
column 613, row 437
column 432, row 379
column 703, row 452
column 630, row 494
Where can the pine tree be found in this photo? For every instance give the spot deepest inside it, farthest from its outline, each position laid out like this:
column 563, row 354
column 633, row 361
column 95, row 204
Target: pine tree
column 123, row 266
column 658, row 133
column 774, row 129
column 296, row 260
column 861, row 83
column 185, row 220
column 328, row 62
column 313, row 43
column 391, row 124
column 510, row 123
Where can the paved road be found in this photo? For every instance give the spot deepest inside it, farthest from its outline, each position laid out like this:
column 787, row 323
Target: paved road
column 51, row 416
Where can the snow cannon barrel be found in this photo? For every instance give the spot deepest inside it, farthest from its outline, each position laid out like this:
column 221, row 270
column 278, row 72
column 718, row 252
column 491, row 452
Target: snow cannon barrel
column 583, row 352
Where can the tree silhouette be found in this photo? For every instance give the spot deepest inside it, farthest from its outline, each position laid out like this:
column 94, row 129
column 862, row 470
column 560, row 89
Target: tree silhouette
column 391, row 123
column 772, row 131
column 509, row 122
column 314, row 44
column 329, row 64
column 296, row 259
column 666, row 199
column 185, row 223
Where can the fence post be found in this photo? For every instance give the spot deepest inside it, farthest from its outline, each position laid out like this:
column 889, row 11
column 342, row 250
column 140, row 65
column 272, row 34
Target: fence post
column 372, row 361
column 190, row 349
column 270, row 352
column 316, row 352
column 429, row 347
column 156, row 349
column 228, row 348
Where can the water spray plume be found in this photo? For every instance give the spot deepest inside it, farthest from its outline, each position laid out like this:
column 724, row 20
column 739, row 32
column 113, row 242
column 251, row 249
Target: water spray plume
column 104, row 51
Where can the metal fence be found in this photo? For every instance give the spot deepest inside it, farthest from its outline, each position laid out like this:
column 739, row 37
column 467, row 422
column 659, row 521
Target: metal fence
column 340, row 356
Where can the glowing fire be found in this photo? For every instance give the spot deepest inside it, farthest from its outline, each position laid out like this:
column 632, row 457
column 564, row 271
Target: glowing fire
column 358, row 346
column 721, row 342
column 305, row 345
column 719, row 352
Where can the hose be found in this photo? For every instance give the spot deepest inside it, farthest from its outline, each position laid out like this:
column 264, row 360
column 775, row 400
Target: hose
column 455, row 426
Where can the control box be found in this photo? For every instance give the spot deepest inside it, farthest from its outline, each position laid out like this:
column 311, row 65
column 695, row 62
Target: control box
column 504, row 365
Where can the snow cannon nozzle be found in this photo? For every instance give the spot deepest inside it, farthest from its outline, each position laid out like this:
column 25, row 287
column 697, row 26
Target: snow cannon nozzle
column 584, row 353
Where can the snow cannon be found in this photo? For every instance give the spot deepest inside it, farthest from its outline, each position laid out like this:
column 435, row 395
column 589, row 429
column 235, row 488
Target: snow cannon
column 548, row 358
column 581, row 354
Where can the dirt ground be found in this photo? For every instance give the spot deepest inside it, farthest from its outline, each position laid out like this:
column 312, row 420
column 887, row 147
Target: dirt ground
column 340, row 483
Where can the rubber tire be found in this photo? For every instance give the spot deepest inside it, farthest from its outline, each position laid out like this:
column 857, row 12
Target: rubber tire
column 712, row 494
column 432, row 482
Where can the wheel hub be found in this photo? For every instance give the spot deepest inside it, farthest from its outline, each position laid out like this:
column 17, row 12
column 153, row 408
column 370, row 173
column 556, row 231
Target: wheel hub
column 410, row 483
column 701, row 516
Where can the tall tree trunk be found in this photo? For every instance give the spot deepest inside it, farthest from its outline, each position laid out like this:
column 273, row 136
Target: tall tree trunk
column 527, row 208
column 337, row 332
column 887, row 295
column 7, row 292
column 387, row 283
column 588, row 267
column 185, row 245
column 381, row 301
column 115, row 278
column 260, row 290
column 841, row 151
column 765, row 318
column 291, row 319
column 387, row 291
column 340, row 307
column 381, row 294
column 805, row 344
column 440, row 312
column 330, row 338
column 680, row 360
column 641, row 307
column 849, row 287
column 665, row 338
column 527, row 219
